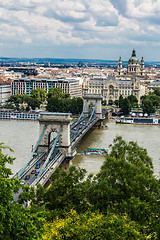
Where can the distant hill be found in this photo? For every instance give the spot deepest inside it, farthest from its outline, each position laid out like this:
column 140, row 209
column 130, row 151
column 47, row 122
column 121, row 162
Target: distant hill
column 66, row 61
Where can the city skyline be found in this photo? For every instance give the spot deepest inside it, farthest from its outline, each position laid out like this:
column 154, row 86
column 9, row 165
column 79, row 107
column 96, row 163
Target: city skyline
column 90, row 30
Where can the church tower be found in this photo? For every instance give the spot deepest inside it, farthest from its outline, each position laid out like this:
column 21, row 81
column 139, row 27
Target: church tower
column 120, row 67
column 142, row 67
column 133, row 67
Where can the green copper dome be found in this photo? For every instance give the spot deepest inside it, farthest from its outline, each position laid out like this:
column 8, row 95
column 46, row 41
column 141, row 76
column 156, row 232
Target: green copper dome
column 133, row 59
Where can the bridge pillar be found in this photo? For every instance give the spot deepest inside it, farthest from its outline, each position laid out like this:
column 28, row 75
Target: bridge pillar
column 92, row 99
column 53, row 121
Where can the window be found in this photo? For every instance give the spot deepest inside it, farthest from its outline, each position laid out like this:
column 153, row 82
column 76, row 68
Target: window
column 111, row 90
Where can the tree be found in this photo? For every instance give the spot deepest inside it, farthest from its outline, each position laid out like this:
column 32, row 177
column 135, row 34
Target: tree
column 67, row 190
column 61, row 102
column 126, row 185
column 156, row 92
column 76, row 105
column 120, row 101
column 8, row 106
column 91, row 225
column 18, row 98
column 56, row 93
column 34, row 103
column 67, row 95
column 38, row 94
column 144, row 97
column 133, row 100
column 150, row 101
column 110, row 102
column 120, row 202
column 79, row 104
column 53, row 104
column 104, row 102
column 25, row 98
column 116, row 102
column 154, row 99
column 147, row 106
column 16, row 222
column 125, row 106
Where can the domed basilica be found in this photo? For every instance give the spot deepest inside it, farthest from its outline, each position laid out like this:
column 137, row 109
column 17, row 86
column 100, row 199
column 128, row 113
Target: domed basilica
column 134, row 68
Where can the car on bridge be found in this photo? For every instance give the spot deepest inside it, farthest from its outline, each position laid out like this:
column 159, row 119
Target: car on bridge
column 36, row 174
column 37, row 165
column 27, row 177
column 33, row 171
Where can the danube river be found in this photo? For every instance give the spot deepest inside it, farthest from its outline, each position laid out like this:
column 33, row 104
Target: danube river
column 21, row 135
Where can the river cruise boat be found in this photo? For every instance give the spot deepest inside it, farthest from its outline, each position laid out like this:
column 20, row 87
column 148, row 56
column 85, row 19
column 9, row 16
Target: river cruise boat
column 138, row 120
column 18, row 115
column 95, row 151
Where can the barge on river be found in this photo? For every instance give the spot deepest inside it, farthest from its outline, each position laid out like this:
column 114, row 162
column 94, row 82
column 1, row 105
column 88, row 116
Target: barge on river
column 138, row 120
column 95, row 151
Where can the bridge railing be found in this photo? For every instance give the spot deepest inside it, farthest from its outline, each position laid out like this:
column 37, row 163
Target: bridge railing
column 50, row 168
column 80, row 117
column 28, row 168
column 93, row 111
column 88, row 126
column 49, row 155
column 31, row 157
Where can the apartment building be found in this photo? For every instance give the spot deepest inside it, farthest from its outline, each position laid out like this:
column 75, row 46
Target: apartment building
column 26, row 85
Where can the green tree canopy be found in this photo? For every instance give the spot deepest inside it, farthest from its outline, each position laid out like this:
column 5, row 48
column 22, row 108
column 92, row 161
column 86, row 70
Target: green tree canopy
column 126, row 185
column 157, row 92
column 125, row 106
column 125, row 192
column 67, row 190
column 34, row 103
column 16, row 221
column 57, row 101
column 18, row 98
column 56, row 93
column 38, row 94
column 120, row 101
column 147, row 106
column 92, row 226
column 151, row 101
column 155, row 99
column 133, row 100
column 126, row 103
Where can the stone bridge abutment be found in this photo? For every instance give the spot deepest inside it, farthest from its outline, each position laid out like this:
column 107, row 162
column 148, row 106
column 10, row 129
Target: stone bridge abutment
column 93, row 99
column 53, row 123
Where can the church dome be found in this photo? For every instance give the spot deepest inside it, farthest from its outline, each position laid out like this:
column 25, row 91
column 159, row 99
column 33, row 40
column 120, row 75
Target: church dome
column 133, row 59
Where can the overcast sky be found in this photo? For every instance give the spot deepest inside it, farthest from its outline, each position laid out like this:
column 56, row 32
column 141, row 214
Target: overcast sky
column 101, row 29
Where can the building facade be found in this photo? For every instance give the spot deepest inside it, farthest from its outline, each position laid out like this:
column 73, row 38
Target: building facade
column 153, row 85
column 5, row 93
column 112, row 88
column 26, row 85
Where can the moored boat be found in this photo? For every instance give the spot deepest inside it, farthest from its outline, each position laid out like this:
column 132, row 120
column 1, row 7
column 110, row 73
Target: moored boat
column 95, row 151
column 138, row 120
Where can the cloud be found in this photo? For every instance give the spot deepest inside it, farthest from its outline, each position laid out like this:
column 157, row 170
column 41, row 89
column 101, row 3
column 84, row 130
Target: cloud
column 120, row 5
column 79, row 23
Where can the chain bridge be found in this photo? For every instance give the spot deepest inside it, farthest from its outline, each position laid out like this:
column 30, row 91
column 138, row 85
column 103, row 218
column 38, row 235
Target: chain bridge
column 58, row 137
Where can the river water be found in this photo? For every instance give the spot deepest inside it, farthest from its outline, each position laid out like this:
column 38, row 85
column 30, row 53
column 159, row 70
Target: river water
column 20, row 135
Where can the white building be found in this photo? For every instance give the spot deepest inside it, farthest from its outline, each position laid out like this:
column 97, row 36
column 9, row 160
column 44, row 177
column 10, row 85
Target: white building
column 5, row 93
column 26, row 85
